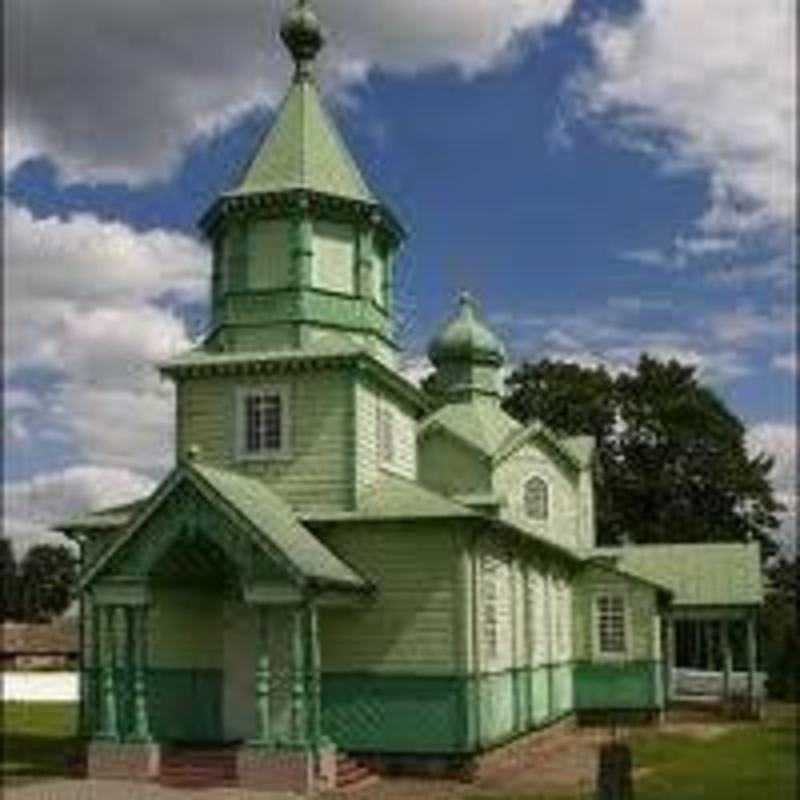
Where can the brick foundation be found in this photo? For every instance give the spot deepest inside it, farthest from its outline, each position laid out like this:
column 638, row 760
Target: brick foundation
column 123, row 761
column 261, row 769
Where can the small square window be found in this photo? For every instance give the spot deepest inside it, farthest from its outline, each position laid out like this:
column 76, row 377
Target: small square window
column 263, row 415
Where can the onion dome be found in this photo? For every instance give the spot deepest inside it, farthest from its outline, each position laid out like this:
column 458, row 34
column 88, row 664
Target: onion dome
column 302, row 34
column 466, row 338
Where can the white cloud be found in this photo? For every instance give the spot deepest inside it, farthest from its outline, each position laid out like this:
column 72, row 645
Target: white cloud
column 118, row 92
column 417, row 369
column 747, row 326
column 779, row 440
column 785, row 362
column 83, row 304
column 705, row 85
column 32, row 507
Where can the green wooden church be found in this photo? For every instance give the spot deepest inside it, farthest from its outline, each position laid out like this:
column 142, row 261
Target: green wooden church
column 334, row 566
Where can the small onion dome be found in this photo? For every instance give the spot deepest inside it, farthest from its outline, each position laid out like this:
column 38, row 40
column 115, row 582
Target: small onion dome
column 467, row 338
column 302, row 33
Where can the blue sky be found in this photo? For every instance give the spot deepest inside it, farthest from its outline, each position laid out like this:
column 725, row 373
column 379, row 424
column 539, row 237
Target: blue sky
column 608, row 177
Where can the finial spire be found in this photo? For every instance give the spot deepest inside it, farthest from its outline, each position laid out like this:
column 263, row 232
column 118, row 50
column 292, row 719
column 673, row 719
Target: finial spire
column 302, row 34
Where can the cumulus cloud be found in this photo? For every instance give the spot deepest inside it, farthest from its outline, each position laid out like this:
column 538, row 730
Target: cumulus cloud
column 118, row 92
column 785, row 362
column 84, row 307
column 32, row 507
column 615, row 338
column 705, row 86
column 779, row 440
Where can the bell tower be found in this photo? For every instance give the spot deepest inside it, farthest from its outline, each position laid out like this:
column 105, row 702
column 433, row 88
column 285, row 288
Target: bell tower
column 303, row 251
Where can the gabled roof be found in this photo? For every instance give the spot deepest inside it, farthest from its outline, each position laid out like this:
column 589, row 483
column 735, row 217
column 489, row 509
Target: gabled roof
column 488, row 429
column 263, row 513
column 103, row 519
column 303, row 150
column 716, row 574
column 482, row 426
column 539, row 431
column 393, row 497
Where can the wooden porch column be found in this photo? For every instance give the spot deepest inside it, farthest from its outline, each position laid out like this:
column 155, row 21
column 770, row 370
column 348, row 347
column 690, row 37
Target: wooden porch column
column 138, row 626
column 670, row 659
column 751, row 661
column 727, row 660
column 298, row 676
column 262, row 677
column 315, row 677
column 110, row 720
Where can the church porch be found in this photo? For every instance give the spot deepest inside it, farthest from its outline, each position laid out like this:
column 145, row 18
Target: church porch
column 201, row 638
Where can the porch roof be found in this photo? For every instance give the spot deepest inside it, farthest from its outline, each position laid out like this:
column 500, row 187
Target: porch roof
column 714, row 574
column 274, row 519
column 266, row 515
column 393, row 497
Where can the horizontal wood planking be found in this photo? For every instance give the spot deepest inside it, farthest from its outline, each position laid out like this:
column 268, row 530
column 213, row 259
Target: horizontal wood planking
column 410, row 624
column 318, row 475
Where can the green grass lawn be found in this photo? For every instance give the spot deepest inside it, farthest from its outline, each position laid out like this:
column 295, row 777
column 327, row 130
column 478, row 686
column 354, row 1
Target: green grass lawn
column 38, row 738
column 747, row 761
column 750, row 761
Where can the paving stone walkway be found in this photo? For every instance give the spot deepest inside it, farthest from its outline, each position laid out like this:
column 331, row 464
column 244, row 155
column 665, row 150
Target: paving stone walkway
column 65, row 789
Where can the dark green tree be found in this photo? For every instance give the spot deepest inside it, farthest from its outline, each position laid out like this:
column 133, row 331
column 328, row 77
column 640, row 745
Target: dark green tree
column 672, row 460
column 47, row 578
column 10, row 583
column 780, row 639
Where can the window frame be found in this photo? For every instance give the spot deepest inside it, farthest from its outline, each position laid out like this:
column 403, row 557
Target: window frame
column 383, row 412
column 598, row 652
column 241, row 394
column 536, row 476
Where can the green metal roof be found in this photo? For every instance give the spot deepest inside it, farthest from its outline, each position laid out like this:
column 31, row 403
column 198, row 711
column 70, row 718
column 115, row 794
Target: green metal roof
column 332, row 350
column 274, row 518
column 466, row 337
column 304, row 150
column 266, row 514
column 102, row 519
column 394, row 497
column 482, row 425
column 582, row 447
column 716, row 574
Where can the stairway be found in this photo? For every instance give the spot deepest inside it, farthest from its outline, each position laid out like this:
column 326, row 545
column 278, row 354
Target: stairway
column 198, row 767
column 352, row 776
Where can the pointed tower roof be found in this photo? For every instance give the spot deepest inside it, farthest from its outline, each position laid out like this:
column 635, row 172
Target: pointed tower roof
column 303, row 149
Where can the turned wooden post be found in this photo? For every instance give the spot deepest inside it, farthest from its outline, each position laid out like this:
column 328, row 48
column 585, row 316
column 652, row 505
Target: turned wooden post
column 262, row 677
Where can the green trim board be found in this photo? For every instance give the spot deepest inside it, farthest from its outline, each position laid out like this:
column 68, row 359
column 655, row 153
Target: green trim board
column 634, row 685
column 458, row 713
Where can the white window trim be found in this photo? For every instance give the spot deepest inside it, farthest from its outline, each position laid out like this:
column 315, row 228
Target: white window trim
column 240, row 395
column 548, row 500
column 383, row 407
column 597, row 653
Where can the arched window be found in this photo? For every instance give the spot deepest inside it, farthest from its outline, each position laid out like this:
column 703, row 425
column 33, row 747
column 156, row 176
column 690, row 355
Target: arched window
column 536, row 498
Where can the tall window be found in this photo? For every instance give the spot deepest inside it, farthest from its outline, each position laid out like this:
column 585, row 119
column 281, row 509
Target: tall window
column 385, row 433
column 263, row 415
column 611, row 633
column 536, row 498
column 491, row 623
